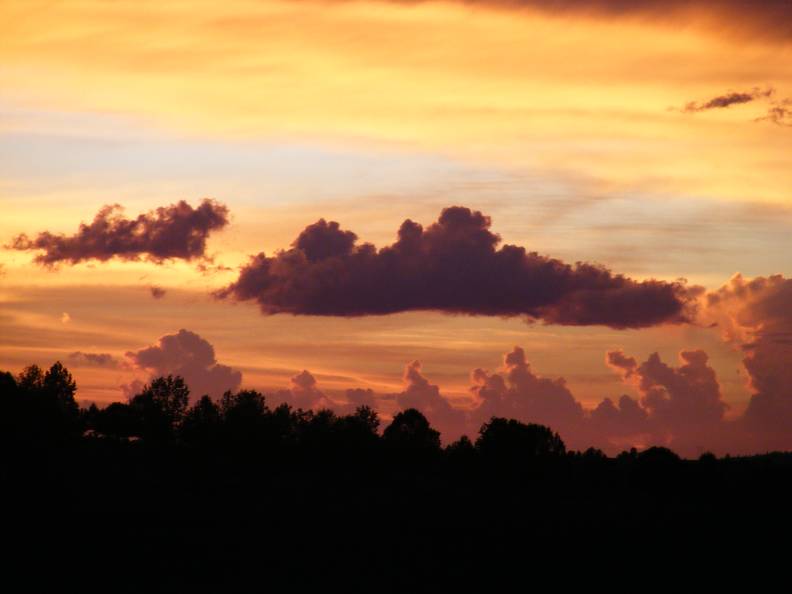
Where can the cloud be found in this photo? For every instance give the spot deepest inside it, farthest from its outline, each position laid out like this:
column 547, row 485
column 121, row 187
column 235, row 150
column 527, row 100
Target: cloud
column 420, row 394
column 355, row 398
column 94, row 360
column 520, row 394
column 304, row 393
column 755, row 315
column 625, row 423
column 169, row 232
column 453, row 266
column 157, row 292
column 190, row 356
column 65, row 318
column 768, row 18
column 779, row 113
column 727, row 100
column 680, row 406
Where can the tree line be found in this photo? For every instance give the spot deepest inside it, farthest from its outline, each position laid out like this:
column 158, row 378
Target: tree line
column 41, row 406
column 159, row 494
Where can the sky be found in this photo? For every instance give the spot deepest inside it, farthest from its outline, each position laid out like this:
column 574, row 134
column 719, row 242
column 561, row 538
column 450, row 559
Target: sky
column 576, row 213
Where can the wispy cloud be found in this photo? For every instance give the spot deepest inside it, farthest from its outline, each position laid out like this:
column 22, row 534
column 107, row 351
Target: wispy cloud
column 728, row 100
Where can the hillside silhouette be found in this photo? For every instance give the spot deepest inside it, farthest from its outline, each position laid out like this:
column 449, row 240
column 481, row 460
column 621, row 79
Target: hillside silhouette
column 159, row 494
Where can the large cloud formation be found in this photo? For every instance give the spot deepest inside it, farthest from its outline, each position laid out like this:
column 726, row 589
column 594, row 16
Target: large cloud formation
column 190, row 356
column 174, row 231
column 455, row 266
column 679, row 407
column 756, row 316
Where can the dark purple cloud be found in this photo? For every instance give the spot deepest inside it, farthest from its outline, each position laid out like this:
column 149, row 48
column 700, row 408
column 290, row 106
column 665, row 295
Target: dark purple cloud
column 190, row 356
column 169, row 232
column 455, row 265
column 727, row 100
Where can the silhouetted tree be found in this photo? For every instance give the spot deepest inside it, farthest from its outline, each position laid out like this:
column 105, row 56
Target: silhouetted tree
column 410, row 431
column 45, row 407
column 9, row 406
column 658, row 455
column 461, row 454
column 510, row 441
column 31, row 379
column 202, row 423
column 593, row 455
column 356, row 435
column 244, row 417
column 59, row 384
column 117, row 420
column 160, row 407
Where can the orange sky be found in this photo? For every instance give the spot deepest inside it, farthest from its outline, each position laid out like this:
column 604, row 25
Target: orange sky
column 567, row 129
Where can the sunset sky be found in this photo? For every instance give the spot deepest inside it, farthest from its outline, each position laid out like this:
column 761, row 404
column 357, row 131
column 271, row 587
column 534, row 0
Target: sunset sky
column 651, row 140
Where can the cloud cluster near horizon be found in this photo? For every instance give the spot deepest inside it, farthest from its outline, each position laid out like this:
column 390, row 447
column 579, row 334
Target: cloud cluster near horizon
column 454, row 265
column 678, row 406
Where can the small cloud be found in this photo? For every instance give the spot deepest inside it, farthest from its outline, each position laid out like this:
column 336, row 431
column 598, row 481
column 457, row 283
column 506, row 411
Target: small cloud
column 779, row 113
column 94, row 360
column 157, row 292
column 65, row 318
column 727, row 100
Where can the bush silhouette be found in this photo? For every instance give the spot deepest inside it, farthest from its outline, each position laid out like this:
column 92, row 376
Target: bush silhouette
column 410, row 432
column 512, row 442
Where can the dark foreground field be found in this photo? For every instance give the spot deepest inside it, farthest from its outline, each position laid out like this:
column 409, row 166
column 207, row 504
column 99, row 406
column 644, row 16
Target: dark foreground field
column 156, row 496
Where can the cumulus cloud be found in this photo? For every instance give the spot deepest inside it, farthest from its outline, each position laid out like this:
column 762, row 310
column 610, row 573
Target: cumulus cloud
column 727, row 100
column 455, row 265
column 94, row 360
column 304, row 393
column 681, row 406
column 190, row 356
column 756, row 316
column 520, row 394
column 424, row 396
column 625, row 423
column 169, row 232
column 355, row 398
